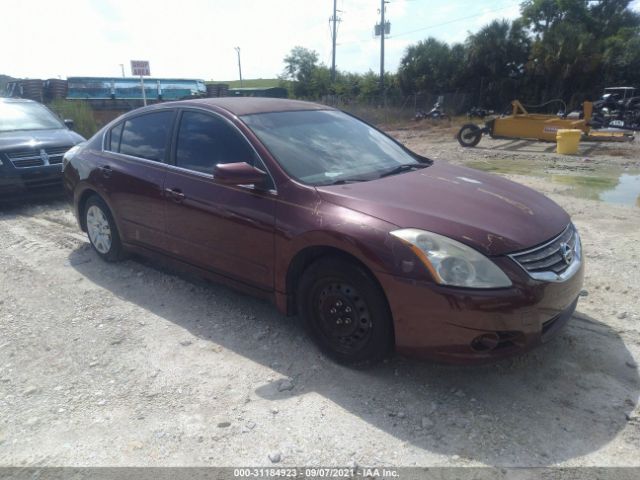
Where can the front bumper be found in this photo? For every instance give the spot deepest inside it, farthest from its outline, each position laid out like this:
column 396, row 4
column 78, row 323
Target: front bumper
column 15, row 181
column 471, row 326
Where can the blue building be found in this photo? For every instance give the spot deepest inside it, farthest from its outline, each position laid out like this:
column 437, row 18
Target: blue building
column 116, row 88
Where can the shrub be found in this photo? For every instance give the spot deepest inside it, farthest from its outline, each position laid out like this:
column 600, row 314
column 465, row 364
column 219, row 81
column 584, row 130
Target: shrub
column 80, row 112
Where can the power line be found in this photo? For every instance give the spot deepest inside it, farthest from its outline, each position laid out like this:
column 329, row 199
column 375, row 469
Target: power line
column 436, row 25
column 455, row 20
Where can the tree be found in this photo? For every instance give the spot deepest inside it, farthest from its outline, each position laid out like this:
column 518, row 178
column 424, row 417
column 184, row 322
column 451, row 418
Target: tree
column 300, row 65
column 495, row 58
column 430, row 66
column 568, row 49
column 541, row 15
column 498, row 50
column 581, row 45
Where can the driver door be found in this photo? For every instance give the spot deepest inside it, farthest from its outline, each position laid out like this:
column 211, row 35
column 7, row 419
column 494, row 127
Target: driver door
column 223, row 228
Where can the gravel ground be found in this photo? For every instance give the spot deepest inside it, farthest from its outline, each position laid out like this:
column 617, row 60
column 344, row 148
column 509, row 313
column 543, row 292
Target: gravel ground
column 129, row 364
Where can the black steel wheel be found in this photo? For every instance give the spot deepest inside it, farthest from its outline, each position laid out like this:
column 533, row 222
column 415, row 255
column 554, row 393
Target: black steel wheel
column 469, row 135
column 345, row 312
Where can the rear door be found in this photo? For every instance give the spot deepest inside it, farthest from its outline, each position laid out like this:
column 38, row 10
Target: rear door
column 132, row 176
column 227, row 229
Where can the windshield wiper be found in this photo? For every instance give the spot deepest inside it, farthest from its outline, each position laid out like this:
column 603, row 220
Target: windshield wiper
column 405, row 167
column 344, row 181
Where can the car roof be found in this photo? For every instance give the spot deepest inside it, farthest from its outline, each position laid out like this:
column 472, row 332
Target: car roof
column 250, row 105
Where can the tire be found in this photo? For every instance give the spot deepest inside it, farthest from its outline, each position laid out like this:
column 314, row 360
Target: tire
column 469, row 135
column 102, row 230
column 345, row 312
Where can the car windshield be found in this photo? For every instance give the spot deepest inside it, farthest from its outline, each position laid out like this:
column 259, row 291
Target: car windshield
column 26, row 116
column 323, row 147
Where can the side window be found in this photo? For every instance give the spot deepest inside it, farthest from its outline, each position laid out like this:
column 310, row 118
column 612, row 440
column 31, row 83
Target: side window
column 114, row 138
column 205, row 140
column 146, row 136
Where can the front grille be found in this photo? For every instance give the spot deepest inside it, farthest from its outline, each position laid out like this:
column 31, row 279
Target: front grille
column 548, row 257
column 34, row 157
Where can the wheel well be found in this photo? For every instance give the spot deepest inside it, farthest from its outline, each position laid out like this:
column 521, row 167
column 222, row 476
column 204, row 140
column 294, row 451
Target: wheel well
column 306, row 257
column 81, row 204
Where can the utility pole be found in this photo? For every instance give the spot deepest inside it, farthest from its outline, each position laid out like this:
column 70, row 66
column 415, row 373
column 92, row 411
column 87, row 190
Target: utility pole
column 382, row 29
column 382, row 26
column 239, row 65
column 334, row 19
column 122, row 68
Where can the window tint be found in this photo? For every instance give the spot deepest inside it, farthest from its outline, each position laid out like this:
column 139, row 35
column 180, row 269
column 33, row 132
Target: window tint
column 146, row 136
column 205, row 140
column 116, row 134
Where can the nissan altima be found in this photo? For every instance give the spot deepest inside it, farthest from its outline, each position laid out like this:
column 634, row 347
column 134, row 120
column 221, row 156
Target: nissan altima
column 374, row 247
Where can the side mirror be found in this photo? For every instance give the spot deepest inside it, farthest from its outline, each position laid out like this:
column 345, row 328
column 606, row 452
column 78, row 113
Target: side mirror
column 69, row 123
column 240, row 173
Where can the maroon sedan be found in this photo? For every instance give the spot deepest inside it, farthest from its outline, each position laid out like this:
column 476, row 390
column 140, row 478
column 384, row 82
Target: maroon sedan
column 372, row 245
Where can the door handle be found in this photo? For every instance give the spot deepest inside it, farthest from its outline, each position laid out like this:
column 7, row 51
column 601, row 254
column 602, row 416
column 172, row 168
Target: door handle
column 106, row 170
column 175, row 193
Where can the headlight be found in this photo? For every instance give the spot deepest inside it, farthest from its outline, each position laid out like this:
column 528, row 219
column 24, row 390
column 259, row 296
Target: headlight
column 451, row 262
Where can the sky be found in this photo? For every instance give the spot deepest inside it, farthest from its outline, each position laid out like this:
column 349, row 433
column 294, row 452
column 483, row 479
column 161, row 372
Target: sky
column 197, row 38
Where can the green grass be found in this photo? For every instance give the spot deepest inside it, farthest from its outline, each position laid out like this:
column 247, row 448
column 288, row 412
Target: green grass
column 80, row 112
column 250, row 82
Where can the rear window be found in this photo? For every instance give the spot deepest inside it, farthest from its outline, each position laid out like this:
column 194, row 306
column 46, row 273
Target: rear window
column 146, row 136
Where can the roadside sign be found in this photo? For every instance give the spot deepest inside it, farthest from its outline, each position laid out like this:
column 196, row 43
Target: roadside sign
column 140, row 68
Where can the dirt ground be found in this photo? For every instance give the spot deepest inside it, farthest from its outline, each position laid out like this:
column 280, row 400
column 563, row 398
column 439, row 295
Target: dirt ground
column 127, row 364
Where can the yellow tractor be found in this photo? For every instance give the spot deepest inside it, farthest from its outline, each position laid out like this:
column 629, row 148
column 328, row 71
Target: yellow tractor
column 524, row 125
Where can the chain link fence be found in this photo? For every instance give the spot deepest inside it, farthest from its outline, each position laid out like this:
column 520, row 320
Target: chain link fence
column 390, row 109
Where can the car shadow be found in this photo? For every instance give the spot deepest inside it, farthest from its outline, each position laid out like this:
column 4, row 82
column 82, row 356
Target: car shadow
column 564, row 400
column 21, row 202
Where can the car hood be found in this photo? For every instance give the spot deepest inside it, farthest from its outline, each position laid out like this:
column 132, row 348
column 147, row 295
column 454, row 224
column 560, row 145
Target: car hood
column 33, row 138
column 490, row 213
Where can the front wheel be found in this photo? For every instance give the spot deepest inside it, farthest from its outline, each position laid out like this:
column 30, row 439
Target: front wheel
column 102, row 230
column 469, row 135
column 345, row 312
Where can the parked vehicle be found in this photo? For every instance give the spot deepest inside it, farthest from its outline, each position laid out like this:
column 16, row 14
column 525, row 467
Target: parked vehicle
column 479, row 112
column 32, row 143
column 436, row 113
column 615, row 98
column 372, row 245
column 619, row 108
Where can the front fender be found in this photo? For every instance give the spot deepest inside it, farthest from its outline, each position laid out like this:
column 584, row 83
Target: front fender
column 300, row 227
